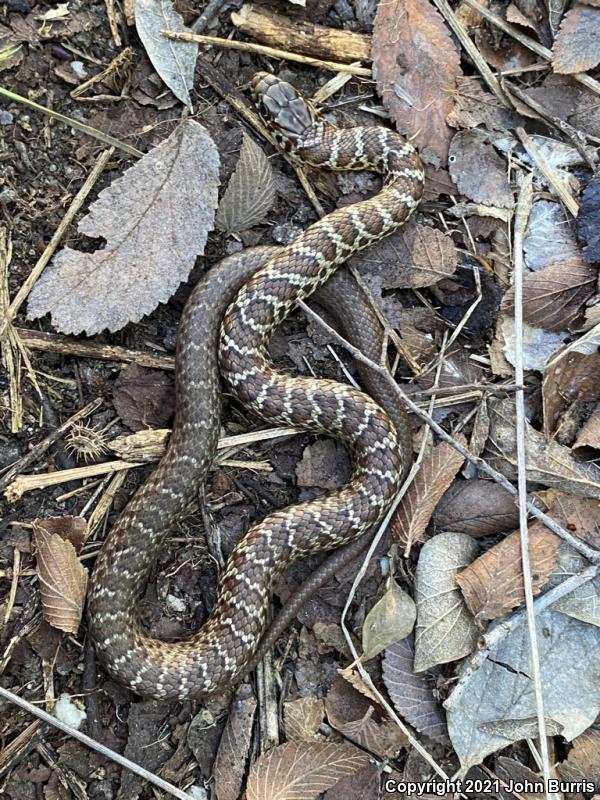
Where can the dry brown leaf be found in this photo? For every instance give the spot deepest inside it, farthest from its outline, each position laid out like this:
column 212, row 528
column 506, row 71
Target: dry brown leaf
column 413, row 695
column 303, row 718
column 354, row 678
column 577, row 43
column 234, row 746
column 155, row 219
column 589, row 435
column 477, row 507
column 548, row 462
column 583, row 761
column 554, row 298
column 416, row 65
column 302, row 770
column 493, row 584
column 144, row 398
column 445, row 630
column 569, row 380
column 579, row 515
column 438, row 470
column 250, row 193
column 416, row 256
column 63, row 579
column 478, row 171
column 474, row 106
column 357, row 719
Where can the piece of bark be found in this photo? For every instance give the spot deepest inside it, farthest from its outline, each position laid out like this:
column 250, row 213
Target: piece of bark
column 300, row 36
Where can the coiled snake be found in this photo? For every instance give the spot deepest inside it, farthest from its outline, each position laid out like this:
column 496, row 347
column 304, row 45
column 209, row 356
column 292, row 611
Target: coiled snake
column 219, row 653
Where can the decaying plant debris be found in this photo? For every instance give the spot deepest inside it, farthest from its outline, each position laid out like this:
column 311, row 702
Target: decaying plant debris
column 117, row 125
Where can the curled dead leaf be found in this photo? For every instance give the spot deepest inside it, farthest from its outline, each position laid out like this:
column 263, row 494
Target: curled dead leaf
column 438, row 470
column 63, row 579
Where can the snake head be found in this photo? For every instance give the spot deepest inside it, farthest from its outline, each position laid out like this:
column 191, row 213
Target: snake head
column 288, row 115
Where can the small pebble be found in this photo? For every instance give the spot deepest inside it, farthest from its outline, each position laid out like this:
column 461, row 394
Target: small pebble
column 176, row 604
column 232, row 247
column 66, row 711
column 6, row 118
column 8, row 196
column 79, row 69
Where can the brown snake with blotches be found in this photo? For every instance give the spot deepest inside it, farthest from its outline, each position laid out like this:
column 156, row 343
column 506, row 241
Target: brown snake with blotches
column 220, row 652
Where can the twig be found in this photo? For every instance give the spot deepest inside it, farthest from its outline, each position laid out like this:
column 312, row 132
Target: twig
column 575, row 136
column 538, row 48
column 545, row 168
column 211, row 10
column 493, row 638
column 40, row 448
column 272, row 52
column 362, row 671
column 55, row 343
column 590, row 553
column 28, row 483
column 93, row 745
column 50, row 248
column 470, row 48
column 71, row 123
column 521, row 217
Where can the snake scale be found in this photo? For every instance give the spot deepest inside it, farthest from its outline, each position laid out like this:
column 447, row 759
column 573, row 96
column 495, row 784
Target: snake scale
column 219, row 653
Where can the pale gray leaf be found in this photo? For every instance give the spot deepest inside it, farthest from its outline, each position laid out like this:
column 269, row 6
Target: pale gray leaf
column 497, row 704
column 582, row 603
column 445, row 627
column 155, row 219
column 412, row 694
column 538, row 345
column 478, row 171
column 549, row 237
column 174, row 60
column 250, row 193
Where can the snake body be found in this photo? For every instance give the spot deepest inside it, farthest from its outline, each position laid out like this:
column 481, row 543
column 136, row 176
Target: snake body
column 219, row 653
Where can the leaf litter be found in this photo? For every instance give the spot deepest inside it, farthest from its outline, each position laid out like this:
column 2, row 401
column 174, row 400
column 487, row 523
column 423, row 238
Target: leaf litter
column 466, row 574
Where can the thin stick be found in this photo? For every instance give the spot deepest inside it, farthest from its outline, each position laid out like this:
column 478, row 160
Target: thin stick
column 49, row 250
column 590, row 553
column 72, row 123
column 55, row 343
column 548, row 172
column 94, row 745
column 469, row 46
column 521, row 217
column 264, row 50
column 491, row 640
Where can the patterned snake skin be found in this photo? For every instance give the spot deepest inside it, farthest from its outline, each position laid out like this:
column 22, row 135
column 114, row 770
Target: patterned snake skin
column 219, row 653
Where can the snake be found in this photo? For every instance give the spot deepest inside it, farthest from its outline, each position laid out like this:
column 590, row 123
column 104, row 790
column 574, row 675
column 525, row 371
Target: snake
column 225, row 330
